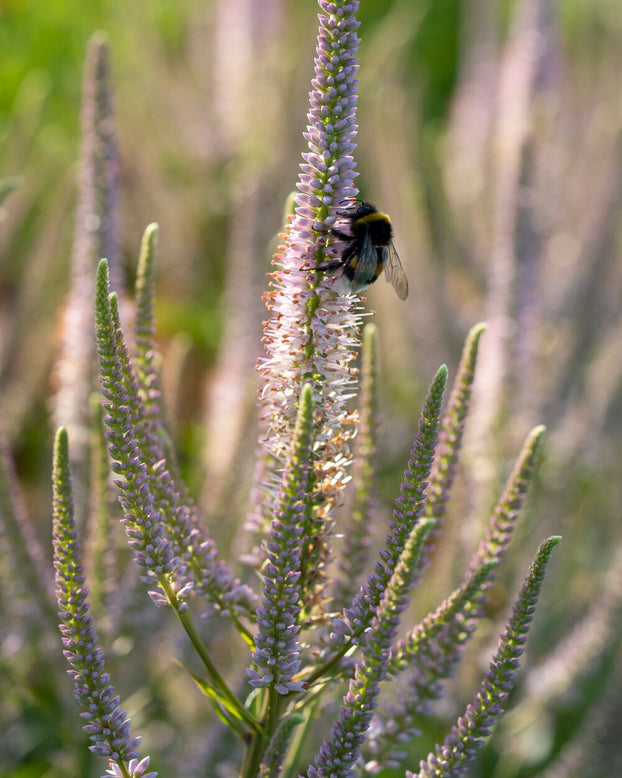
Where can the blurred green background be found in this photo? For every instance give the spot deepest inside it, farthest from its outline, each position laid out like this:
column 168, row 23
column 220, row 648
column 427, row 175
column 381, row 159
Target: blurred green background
column 490, row 131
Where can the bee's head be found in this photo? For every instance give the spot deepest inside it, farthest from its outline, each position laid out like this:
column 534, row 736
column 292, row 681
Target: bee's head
column 364, row 209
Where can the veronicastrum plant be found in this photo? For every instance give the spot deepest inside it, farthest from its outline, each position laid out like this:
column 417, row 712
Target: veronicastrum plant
column 313, row 631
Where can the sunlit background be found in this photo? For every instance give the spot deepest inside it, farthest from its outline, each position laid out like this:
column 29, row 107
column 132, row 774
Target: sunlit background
column 491, row 133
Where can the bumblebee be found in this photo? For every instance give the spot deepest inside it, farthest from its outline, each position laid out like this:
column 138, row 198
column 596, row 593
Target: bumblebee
column 367, row 250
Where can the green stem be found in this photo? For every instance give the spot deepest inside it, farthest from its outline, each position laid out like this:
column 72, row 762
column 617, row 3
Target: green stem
column 320, row 672
column 253, row 756
column 261, row 739
column 224, row 692
column 274, row 707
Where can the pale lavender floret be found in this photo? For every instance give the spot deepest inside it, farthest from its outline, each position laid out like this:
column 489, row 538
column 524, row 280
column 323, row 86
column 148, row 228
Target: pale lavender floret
column 135, row 769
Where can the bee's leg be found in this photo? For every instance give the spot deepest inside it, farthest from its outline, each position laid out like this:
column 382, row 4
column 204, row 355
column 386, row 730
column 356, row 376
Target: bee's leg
column 342, row 261
column 332, row 264
column 349, row 252
column 339, row 234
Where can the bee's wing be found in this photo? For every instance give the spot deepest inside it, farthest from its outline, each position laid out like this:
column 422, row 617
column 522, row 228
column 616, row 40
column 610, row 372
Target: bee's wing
column 367, row 261
column 394, row 272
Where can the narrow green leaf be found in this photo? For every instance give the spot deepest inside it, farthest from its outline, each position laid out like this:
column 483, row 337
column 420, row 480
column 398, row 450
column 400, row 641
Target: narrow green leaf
column 225, row 712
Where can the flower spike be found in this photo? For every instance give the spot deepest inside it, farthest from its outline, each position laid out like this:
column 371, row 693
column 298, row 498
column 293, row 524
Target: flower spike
column 452, row 429
column 276, row 644
column 107, row 726
column 312, row 334
column 465, row 738
column 408, row 511
column 176, row 547
column 340, row 750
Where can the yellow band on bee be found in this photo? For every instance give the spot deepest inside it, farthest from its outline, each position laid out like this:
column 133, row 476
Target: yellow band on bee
column 375, row 216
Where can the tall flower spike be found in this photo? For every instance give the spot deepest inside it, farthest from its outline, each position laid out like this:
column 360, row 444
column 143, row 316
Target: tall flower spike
column 213, row 580
column 311, row 335
column 509, row 504
column 107, row 726
column 143, row 522
column 146, row 362
column 465, row 739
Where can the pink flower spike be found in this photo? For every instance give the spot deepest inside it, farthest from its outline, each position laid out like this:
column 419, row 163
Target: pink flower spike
column 312, row 335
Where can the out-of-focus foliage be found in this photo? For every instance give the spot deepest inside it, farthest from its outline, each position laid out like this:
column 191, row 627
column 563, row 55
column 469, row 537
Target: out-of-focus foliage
column 491, row 134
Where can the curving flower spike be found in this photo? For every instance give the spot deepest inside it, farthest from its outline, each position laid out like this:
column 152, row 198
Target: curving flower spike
column 143, row 522
column 509, row 504
column 107, row 726
column 162, row 525
column 146, row 361
column 450, row 437
column 465, row 738
column 277, row 750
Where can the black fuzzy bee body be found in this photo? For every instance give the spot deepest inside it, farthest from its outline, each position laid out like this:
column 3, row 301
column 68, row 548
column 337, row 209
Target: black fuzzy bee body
column 368, row 250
